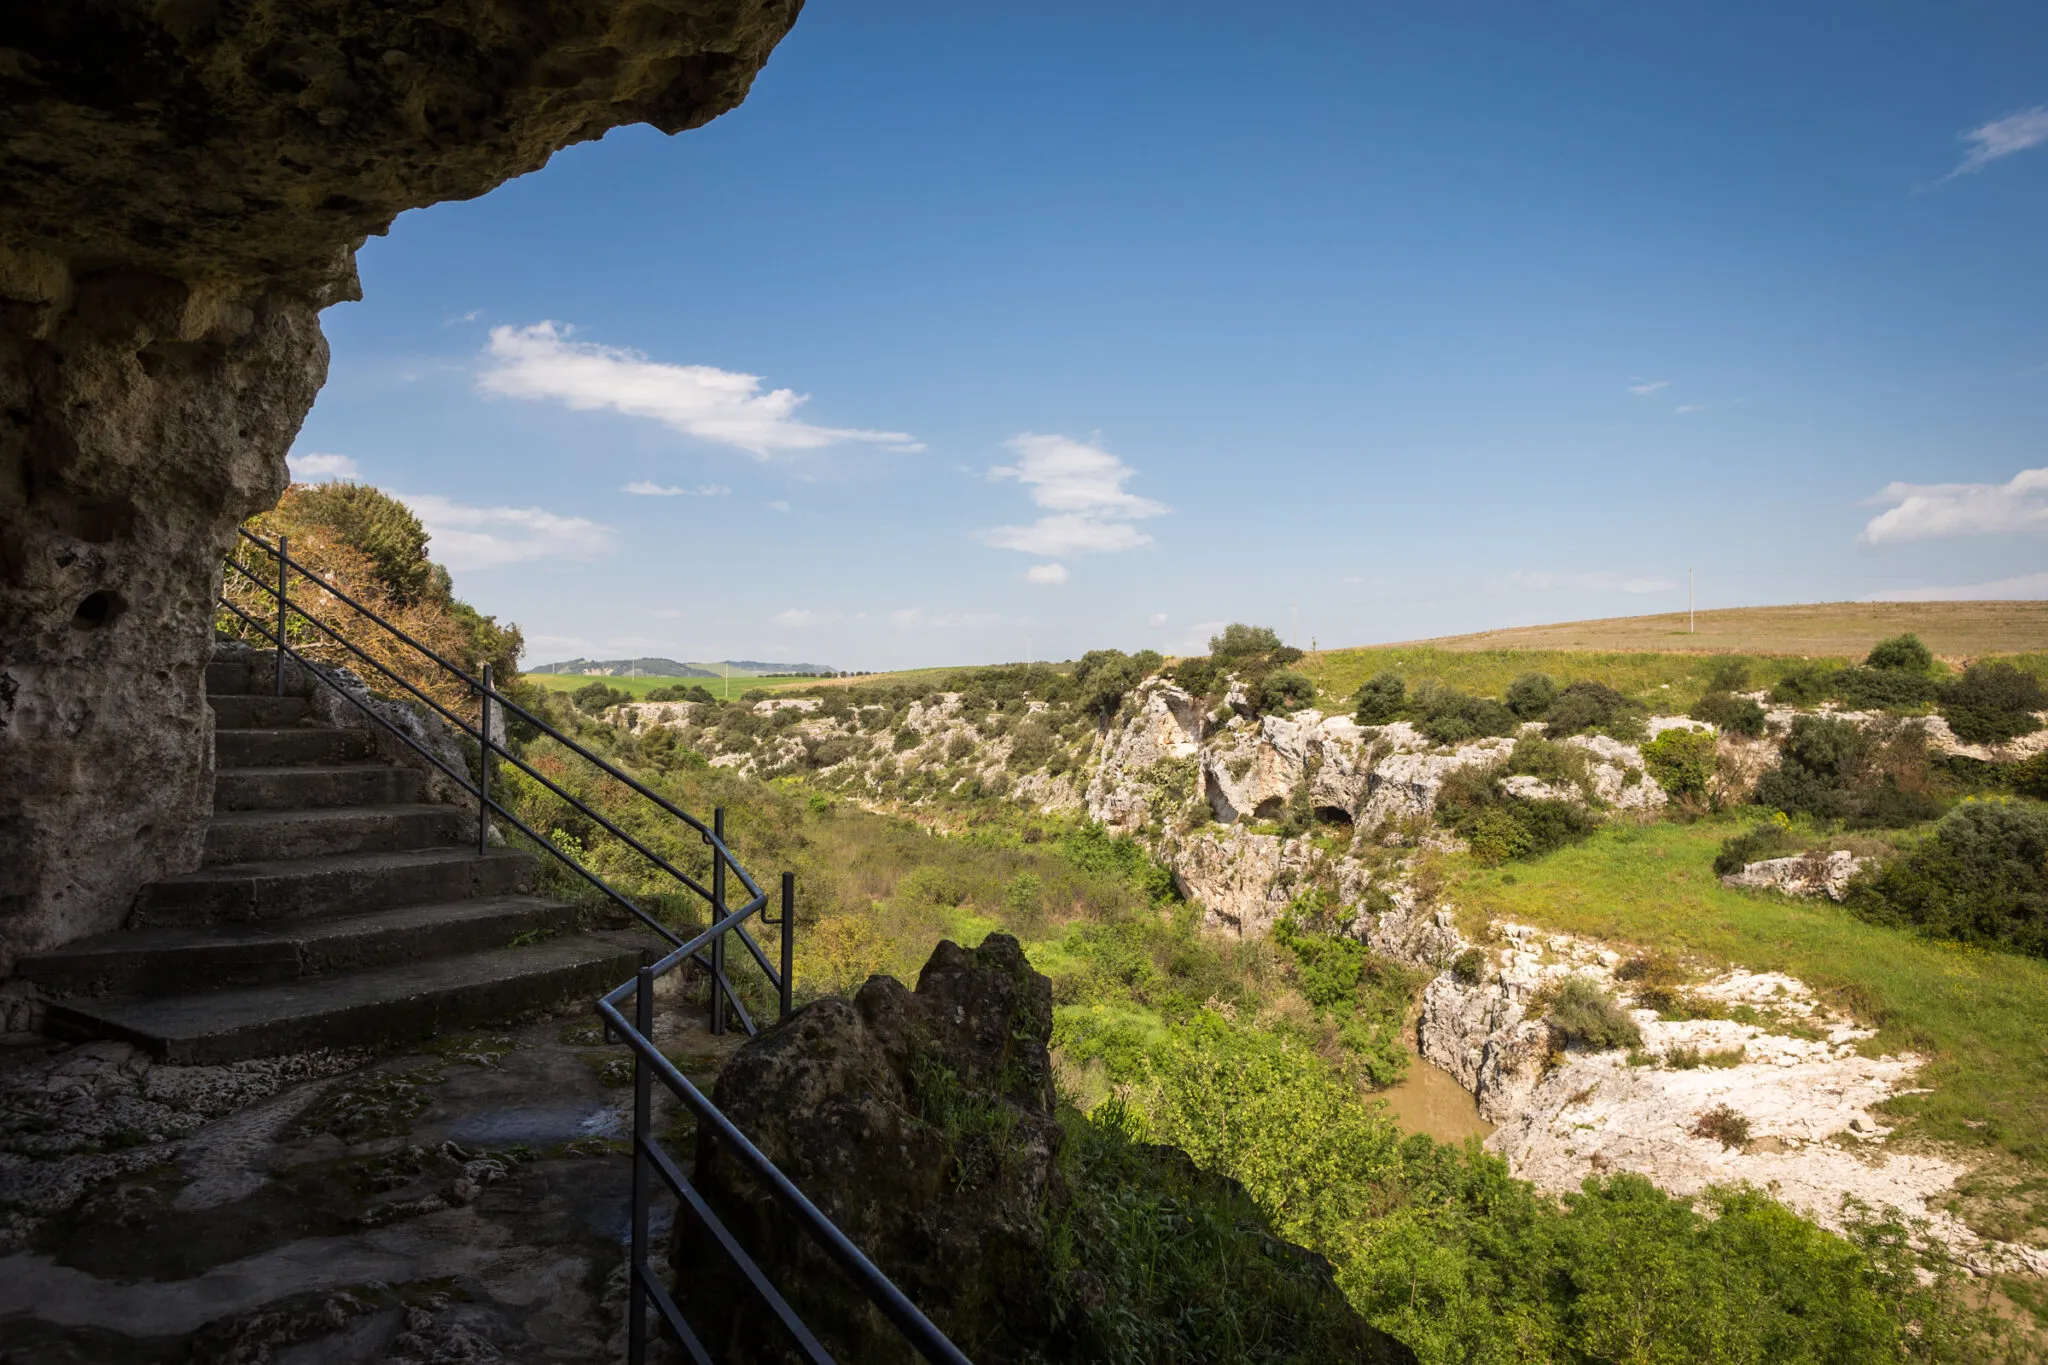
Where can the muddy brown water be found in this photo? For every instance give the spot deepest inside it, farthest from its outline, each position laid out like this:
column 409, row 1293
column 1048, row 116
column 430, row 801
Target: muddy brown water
column 1429, row 1101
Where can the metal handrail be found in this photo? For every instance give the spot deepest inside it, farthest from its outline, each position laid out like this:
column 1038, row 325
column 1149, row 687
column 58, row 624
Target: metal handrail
column 706, row 948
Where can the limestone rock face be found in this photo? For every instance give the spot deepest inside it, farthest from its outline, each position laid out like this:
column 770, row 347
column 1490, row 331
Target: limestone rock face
column 185, row 187
column 1166, row 728
column 922, row 1125
column 1807, row 874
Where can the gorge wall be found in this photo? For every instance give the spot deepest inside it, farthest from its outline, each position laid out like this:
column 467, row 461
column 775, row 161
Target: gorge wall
column 182, row 189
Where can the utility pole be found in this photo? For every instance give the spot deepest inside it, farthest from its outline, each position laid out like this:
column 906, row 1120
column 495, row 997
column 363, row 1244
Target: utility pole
column 1690, row 626
column 1296, row 611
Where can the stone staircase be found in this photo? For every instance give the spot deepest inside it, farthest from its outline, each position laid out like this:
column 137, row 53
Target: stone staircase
column 334, row 907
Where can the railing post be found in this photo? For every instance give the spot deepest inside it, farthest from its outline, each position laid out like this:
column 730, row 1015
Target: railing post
column 643, row 1132
column 788, row 939
column 284, row 564
column 483, row 775
column 718, row 913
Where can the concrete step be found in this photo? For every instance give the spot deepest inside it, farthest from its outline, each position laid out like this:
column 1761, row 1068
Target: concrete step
column 285, row 746
column 244, row 836
column 251, row 713
column 340, row 884
column 154, row 962
column 380, row 1004
column 248, row 676
column 314, row 785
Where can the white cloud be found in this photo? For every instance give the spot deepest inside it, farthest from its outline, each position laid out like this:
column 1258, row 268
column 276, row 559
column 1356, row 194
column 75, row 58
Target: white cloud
column 645, row 489
column 1645, row 387
column 1926, row 511
column 471, row 316
column 2001, row 138
column 486, row 537
column 2027, row 587
column 1081, row 488
column 797, row 616
column 541, row 362
column 1156, row 619
column 666, row 614
column 314, row 465
column 1690, row 407
column 1603, row 580
column 1046, row 574
column 777, row 506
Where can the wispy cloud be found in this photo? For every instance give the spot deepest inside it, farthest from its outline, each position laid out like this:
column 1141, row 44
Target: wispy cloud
column 1929, row 511
column 1047, row 574
column 776, row 506
column 1645, row 387
column 2026, row 587
column 1603, row 580
column 1081, row 488
column 465, row 537
column 1156, row 619
column 314, row 465
column 666, row 614
column 1684, row 408
column 541, row 362
column 799, row 616
column 2001, row 138
column 644, row 489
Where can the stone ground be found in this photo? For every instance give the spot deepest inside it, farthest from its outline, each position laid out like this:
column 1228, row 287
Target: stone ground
column 464, row 1202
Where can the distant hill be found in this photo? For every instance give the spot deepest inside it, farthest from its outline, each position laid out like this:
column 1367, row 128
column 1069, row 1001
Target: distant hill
column 609, row 668
column 1848, row 629
column 671, row 668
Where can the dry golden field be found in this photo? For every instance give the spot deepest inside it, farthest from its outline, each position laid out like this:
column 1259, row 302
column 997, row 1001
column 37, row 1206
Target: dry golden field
column 1953, row 630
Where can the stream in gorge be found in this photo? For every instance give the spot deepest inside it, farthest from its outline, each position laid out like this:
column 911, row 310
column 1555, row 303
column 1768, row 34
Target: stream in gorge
column 1429, row 1101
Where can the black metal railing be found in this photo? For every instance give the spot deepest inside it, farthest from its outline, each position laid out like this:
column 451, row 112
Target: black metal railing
column 706, row 950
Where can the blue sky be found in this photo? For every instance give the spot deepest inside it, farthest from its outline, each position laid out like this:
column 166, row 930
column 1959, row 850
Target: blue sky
column 984, row 331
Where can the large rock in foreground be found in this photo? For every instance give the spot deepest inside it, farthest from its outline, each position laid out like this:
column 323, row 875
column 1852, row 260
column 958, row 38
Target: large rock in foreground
column 923, row 1124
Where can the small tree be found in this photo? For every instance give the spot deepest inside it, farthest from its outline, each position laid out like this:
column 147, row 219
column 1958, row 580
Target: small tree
column 1901, row 652
column 1379, row 702
column 1531, row 695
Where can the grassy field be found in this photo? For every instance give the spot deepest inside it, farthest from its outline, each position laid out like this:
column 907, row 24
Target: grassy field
column 1981, row 1017
column 1952, row 630
column 1668, row 683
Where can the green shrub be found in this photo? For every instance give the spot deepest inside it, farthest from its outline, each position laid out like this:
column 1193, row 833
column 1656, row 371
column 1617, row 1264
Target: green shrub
column 1104, row 677
column 1469, row 967
column 1285, row 691
column 1682, row 761
column 1500, row 827
column 1449, row 716
column 1804, row 685
column 1531, row 695
column 1904, row 652
column 1031, row 744
column 1730, row 714
column 1981, row 878
column 1992, row 703
column 1326, row 966
column 1832, row 770
column 1882, row 689
column 593, row 698
column 1585, row 706
column 1551, row 762
column 1581, row 1014
column 1250, row 648
column 681, row 692
column 1381, row 700
column 907, row 738
column 1198, row 676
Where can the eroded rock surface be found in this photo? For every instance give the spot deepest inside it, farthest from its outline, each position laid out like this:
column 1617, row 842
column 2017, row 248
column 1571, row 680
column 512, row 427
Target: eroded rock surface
column 185, row 186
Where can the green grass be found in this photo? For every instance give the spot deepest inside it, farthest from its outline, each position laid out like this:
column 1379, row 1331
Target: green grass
column 1668, row 683
column 1980, row 1017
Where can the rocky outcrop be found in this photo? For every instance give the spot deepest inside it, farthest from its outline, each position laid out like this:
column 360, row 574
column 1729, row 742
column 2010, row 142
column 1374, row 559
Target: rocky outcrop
column 1818, row 873
column 922, row 1124
column 185, row 188
column 1165, row 727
